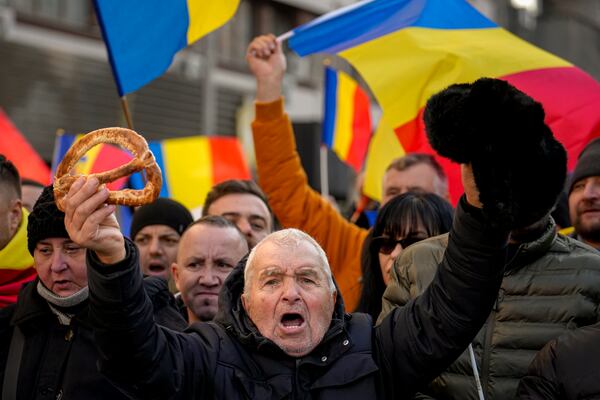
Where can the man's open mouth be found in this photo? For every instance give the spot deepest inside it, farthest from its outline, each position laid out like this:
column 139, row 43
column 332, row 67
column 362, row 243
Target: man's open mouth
column 292, row 320
column 156, row 267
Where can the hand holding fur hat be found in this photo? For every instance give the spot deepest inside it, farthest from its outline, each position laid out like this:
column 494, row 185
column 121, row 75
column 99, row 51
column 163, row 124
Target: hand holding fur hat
column 519, row 167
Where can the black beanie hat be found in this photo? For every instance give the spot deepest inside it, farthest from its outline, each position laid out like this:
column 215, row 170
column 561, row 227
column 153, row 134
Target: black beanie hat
column 588, row 163
column 162, row 212
column 519, row 167
column 45, row 221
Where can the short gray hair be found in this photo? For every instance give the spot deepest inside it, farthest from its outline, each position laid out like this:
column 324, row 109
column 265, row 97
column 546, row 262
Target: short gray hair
column 290, row 238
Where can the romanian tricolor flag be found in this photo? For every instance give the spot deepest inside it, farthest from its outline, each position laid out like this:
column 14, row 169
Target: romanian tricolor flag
column 142, row 36
column 347, row 118
column 100, row 158
column 192, row 165
column 407, row 50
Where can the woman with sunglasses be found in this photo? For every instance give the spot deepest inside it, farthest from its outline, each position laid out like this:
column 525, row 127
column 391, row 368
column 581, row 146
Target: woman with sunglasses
column 404, row 220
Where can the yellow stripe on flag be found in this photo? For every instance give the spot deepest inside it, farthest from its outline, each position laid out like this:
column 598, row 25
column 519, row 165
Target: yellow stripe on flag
column 345, row 115
column 404, row 68
column 384, row 147
column 84, row 166
column 208, row 15
column 188, row 162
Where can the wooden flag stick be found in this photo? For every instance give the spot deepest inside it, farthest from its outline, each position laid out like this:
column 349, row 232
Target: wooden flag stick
column 125, row 107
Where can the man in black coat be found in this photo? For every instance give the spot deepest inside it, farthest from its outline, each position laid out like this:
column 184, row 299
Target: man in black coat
column 281, row 331
column 47, row 346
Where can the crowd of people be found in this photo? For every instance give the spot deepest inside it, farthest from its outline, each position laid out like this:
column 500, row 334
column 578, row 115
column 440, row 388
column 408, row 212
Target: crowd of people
column 273, row 294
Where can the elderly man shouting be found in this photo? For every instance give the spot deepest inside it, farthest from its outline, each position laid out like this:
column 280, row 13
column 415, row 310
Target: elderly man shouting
column 281, row 330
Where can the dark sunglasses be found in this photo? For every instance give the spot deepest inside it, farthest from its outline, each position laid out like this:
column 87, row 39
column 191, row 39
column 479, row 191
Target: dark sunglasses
column 386, row 245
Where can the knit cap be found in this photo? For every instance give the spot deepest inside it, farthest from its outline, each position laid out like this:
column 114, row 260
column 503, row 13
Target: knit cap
column 588, row 163
column 45, row 221
column 163, row 211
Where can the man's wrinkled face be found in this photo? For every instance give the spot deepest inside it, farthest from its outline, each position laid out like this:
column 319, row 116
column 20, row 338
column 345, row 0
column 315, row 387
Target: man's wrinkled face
column 60, row 264
column 248, row 212
column 158, row 249
column 288, row 296
column 207, row 254
column 584, row 209
column 419, row 176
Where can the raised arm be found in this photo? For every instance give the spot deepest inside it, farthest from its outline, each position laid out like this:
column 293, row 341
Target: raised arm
column 283, row 179
column 418, row 341
column 141, row 358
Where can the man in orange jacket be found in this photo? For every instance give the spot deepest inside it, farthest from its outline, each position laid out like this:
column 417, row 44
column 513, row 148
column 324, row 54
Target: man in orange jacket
column 281, row 176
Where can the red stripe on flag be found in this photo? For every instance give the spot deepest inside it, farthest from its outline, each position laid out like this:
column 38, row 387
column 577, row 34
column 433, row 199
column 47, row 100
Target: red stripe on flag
column 16, row 148
column 361, row 130
column 227, row 159
column 11, row 283
column 571, row 100
column 414, row 140
column 110, row 157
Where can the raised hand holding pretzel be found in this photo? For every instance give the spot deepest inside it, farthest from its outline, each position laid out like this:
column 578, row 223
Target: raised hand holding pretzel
column 126, row 138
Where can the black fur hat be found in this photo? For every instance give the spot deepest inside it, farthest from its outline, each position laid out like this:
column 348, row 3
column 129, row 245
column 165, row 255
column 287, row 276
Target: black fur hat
column 519, row 167
column 45, row 221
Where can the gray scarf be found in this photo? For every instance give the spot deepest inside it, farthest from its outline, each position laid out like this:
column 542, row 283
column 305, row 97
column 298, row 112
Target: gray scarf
column 55, row 301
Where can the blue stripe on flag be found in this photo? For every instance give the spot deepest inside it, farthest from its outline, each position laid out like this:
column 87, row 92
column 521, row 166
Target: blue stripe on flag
column 136, row 180
column 349, row 27
column 330, row 107
column 142, row 38
column 62, row 145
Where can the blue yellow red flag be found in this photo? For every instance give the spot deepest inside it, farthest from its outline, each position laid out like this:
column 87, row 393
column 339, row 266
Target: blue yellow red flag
column 192, row 165
column 100, row 158
column 347, row 118
column 142, row 36
column 407, row 50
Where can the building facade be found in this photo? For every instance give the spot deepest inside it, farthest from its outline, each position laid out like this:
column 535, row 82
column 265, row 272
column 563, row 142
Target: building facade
column 54, row 72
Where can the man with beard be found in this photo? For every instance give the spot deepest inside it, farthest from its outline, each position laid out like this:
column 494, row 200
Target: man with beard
column 584, row 195
column 209, row 249
column 156, row 229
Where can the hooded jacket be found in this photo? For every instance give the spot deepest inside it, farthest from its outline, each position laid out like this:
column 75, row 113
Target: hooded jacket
column 230, row 359
column 551, row 285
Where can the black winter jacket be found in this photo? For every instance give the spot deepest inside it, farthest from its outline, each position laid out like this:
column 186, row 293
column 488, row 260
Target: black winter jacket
column 58, row 361
column 229, row 359
column 551, row 285
column 567, row 368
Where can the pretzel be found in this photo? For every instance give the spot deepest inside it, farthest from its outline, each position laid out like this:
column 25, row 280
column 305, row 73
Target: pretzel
column 126, row 138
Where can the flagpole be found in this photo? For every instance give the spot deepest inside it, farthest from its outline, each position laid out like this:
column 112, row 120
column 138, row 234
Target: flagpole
column 324, row 170
column 285, row 36
column 125, row 107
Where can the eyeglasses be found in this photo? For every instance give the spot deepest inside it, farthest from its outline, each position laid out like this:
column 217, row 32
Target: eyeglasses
column 386, row 245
